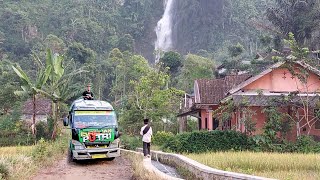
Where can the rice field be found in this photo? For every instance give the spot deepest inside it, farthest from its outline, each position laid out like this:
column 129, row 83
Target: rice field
column 272, row 165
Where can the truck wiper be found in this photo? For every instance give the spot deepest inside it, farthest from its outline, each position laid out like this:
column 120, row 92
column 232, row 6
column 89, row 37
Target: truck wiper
column 106, row 126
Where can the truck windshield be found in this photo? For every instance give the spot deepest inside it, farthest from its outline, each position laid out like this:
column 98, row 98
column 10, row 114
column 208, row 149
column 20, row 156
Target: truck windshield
column 83, row 119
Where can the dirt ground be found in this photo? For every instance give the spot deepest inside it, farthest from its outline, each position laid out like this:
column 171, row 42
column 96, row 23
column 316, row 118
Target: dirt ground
column 120, row 168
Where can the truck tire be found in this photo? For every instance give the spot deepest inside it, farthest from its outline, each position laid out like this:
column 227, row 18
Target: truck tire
column 70, row 157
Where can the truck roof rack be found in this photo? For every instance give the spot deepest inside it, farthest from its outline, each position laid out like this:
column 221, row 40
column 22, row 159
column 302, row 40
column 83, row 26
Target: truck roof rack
column 81, row 104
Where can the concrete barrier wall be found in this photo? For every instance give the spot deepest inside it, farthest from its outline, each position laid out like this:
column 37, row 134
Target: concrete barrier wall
column 149, row 167
column 199, row 170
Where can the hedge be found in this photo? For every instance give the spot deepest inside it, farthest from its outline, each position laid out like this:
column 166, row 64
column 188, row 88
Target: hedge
column 203, row 141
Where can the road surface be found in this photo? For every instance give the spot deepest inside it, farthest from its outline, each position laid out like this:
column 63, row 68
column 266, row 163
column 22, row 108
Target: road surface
column 120, row 169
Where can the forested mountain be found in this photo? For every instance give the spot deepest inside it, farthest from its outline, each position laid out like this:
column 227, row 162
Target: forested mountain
column 114, row 41
column 128, row 25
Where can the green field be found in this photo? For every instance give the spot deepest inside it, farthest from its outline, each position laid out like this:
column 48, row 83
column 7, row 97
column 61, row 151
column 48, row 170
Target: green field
column 272, row 165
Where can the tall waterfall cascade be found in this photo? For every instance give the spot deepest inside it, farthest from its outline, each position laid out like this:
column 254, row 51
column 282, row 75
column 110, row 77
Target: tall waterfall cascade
column 164, row 30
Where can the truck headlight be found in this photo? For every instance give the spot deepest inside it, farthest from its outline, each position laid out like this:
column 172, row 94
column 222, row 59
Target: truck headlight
column 78, row 147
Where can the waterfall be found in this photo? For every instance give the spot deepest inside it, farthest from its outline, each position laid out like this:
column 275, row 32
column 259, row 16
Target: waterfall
column 164, row 30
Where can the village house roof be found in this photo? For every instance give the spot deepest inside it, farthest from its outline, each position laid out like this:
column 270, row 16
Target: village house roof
column 212, row 91
column 43, row 107
column 274, row 99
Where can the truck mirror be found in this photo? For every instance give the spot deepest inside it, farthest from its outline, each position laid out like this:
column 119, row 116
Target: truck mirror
column 118, row 134
column 65, row 121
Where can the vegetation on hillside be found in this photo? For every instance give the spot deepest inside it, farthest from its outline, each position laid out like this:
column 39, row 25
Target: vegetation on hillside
column 110, row 45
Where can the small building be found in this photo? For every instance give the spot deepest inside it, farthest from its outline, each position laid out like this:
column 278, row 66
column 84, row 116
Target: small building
column 292, row 88
column 206, row 98
column 43, row 110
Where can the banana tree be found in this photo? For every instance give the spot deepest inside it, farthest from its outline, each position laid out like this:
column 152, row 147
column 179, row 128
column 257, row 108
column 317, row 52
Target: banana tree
column 59, row 84
column 32, row 88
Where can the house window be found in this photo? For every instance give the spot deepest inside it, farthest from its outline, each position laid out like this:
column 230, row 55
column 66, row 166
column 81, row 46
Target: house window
column 317, row 125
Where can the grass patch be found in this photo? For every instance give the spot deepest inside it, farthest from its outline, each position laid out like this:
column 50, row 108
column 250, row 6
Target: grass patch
column 272, row 165
column 22, row 162
column 186, row 174
column 155, row 147
column 139, row 172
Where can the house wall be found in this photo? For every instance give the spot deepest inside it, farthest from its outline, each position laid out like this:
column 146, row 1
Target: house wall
column 304, row 127
column 207, row 117
column 258, row 117
column 261, row 117
column 204, row 116
column 39, row 118
column 280, row 80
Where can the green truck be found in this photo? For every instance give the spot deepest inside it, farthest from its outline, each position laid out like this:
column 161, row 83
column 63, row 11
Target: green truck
column 94, row 128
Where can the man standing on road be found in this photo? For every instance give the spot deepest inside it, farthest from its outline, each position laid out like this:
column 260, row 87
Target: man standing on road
column 146, row 133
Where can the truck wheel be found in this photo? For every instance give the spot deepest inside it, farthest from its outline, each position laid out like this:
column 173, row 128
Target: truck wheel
column 110, row 159
column 70, row 157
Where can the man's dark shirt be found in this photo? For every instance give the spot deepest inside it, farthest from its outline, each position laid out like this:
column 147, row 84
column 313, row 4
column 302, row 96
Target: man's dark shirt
column 86, row 93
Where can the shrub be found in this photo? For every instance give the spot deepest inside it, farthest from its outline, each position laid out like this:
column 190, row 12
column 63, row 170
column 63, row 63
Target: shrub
column 41, row 150
column 4, row 170
column 306, row 144
column 42, row 130
column 203, row 141
column 9, row 138
column 130, row 142
column 161, row 137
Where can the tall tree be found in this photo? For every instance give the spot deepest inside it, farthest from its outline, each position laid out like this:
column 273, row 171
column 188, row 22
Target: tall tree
column 173, row 60
column 194, row 67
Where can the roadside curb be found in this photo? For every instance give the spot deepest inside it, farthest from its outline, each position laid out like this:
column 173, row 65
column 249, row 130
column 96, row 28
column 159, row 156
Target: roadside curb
column 149, row 167
column 201, row 171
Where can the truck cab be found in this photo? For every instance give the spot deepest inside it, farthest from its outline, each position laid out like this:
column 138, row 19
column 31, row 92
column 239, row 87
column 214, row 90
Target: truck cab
column 94, row 128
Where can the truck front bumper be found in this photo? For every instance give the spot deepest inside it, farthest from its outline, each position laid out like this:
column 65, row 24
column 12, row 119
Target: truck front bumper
column 96, row 153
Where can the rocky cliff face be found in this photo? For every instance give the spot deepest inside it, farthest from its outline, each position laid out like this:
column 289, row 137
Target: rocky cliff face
column 145, row 44
column 204, row 24
column 195, row 23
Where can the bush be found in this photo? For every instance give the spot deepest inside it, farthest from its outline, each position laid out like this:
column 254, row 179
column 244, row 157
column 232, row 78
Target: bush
column 130, row 142
column 9, row 138
column 42, row 130
column 4, row 170
column 161, row 137
column 41, row 150
column 306, row 144
column 203, row 141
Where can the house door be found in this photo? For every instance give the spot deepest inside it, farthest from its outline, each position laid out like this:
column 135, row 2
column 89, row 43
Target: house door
column 215, row 123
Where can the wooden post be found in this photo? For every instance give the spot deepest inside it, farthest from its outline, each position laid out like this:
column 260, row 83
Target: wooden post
column 182, row 124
